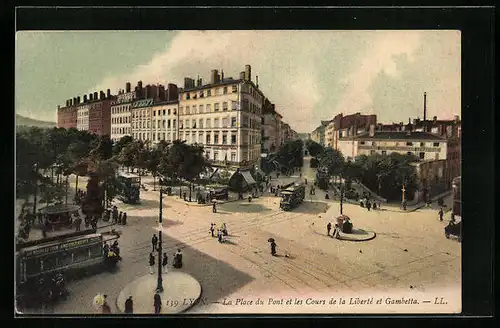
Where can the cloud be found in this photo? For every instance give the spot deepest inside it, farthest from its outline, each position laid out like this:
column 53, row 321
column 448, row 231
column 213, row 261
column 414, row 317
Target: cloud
column 379, row 57
column 273, row 55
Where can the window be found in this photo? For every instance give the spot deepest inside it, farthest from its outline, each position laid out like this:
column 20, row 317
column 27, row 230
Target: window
column 233, row 157
column 422, row 144
column 194, row 109
column 224, row 106
column 174, row 125
column 208, row 123
column 410, row 153
column 193, row 124
column 437, row 156
column 233, row 139
column 208, row 139
column 168, row 124
column 374, row 143
column 181, row 110
column 384, row 152
column 187, row 124
column 216, row 138
column 154, row 137
column 216, row 155
column 225, row 90
column 187, row 112
column 224, row 139
column 224, row 123
column 209, row 93
column 421, row 155
column 164, row 112
column 188, row 96
column 235, row 88
column 154, row 113
column 216, row 107
column 200, row 123
column 209, row 108
column 372, row 152
column 181, row 124
column 163, row 125
column 409, row 143
column 168, row 111
column 216, row 123
column 234, row 105
column 193, row 137
column 200, row 109
column 233, row 122
column 436, row 144
column 201, row 94
column 163, row 135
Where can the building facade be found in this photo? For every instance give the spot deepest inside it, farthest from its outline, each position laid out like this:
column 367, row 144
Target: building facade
column 225, row 116
column 270, row 121
column 100, row 114
column 121, row 115
column 82, row 123
column 164, row 121
column 318, row 135
column 67, row 116
column 347, row 126
column 424, row 145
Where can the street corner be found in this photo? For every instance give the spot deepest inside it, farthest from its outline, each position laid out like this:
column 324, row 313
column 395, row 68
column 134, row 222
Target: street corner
column 180, row 292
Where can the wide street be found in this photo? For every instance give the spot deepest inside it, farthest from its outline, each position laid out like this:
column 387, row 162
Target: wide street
column 410, row 251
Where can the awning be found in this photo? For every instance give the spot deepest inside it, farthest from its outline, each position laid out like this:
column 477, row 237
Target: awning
column 60, row 208
column 248, row 177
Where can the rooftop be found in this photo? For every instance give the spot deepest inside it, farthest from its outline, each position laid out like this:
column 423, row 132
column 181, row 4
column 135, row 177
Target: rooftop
column 400, row 135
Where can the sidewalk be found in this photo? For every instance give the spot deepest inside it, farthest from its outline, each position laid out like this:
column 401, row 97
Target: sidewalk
column 412, row 208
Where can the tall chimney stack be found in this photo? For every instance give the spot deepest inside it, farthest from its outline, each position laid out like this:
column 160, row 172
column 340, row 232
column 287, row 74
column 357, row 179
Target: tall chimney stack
column 425, row 111
column 257, row 81
column 84, row 98
column 248, row 73
column 108, row 93
column 127, row 87
column 91, row 96
column 95, row 96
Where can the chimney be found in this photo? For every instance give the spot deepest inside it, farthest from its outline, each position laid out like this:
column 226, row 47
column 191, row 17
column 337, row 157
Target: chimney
column 91, row 96
column 372, row 130
column 102, row 95
column 139, row 85
column 78, row 99
column 74, row 101
column 84, row 98
column 248, row 73
column 127, row 87
column 108, row 93
column 95, row 95
column 425, row 111
column 242, row 75
column 257, row 81
column 172, row 92
column 67, row 103
column 213, row 76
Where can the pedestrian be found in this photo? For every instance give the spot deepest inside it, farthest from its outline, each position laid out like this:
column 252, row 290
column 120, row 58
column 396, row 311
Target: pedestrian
column 154, row 242
column 157, row 303
column 124, row 218
column 177, row 259
column 129, row 305
column 300, row 175
column 305, row 181
column 40, row 217
column 327, row 196
column 219, row 235
column 164, row 262
column 404, row 205
column 328, row 228
column 441, row 214
column 78, row 223
column 105, row 307
column 94, row 224
column 212, row 229
column 120, row 216
column 115, row 214
column 368, row 205
column 273, row 248
column 151, row 263
column 214, row 208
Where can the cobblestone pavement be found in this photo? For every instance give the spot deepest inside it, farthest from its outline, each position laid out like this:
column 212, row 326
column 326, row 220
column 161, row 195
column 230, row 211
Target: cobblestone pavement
column 410, row 250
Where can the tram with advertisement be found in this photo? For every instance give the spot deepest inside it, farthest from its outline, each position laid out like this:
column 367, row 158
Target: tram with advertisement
column 129, row 188
column 42, row 266
column 292, row 196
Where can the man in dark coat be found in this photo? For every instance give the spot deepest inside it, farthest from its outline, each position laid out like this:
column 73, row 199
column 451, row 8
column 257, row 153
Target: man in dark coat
column 441, row 213
column 273, row 248
column 368, row 205
column 164, row 262
column 154, row 242
column 157, row 303
column 129, row 305
column 212, row 229
column 151, row 263
column 328, row 228
column 214, row 208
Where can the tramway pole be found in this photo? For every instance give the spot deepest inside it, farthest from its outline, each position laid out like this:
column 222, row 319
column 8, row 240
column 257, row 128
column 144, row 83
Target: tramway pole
column 159, row 287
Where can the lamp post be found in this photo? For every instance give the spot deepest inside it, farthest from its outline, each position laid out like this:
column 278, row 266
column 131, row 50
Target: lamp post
column 36, row 187
column 403, row 197
column 159, row 286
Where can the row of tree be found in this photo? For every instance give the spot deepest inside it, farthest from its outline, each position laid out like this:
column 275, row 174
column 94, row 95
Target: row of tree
column 68, row 151
column 384, row 174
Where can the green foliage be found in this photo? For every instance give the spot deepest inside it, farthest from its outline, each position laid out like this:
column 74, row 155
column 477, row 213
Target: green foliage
column 314, row 148
column 291, row 154
column 333, row 161
column 224, row 176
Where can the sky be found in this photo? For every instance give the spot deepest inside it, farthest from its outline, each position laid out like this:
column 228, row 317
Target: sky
column 309, row 75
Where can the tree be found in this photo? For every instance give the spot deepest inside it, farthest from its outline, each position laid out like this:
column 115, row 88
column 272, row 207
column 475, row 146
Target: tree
column 122, row 143
column 152, row 163
column 333, row 161
column 290, row 154
column 224, row 176
column 314, row 148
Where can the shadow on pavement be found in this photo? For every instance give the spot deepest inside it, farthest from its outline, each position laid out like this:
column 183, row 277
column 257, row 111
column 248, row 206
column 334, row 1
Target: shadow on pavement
column 153, row 219
column 311, row 208
column 358, row 232
column 244, row 207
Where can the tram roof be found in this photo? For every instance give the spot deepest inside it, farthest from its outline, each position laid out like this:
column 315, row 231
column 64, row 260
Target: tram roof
column 59, row 208
column 60, row 241
column 128, row 175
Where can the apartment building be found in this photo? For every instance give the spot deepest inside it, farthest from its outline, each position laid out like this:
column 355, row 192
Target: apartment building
column 121, row 114
column 225, row 116
column 347, row 126
column 82, row 110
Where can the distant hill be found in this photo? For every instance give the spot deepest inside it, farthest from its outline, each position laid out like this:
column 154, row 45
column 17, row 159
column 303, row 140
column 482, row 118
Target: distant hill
column 26, row 121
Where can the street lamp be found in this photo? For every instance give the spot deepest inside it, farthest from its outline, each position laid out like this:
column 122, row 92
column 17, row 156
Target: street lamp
column 35, row 166
column 159, row 286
